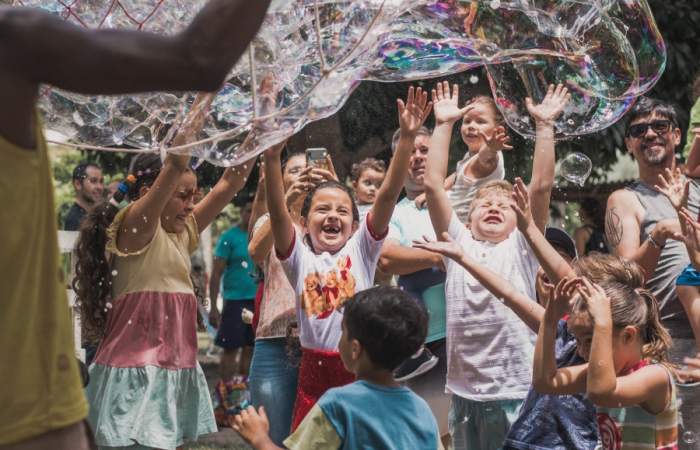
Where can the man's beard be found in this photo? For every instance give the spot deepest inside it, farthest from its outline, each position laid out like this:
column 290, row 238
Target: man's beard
column 656, row 158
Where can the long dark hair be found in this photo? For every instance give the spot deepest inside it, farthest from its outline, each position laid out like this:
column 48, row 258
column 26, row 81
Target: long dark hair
column 92, row 282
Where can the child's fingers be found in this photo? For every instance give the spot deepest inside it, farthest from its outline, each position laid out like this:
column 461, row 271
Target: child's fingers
column 262, row 413
column 400, row 105
column 410, row 97
column 455, row 92
column 446, row 237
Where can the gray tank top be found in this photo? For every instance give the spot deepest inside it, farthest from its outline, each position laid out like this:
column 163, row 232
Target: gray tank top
column 672, row 261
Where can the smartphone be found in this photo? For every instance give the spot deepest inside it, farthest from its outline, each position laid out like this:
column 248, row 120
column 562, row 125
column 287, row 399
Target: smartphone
column 316, row 157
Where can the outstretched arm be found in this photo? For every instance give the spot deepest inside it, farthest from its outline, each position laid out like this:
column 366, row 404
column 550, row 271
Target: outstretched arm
column 648, row 386
column 551, row 261
column 546, row 378
column 412, row 115
column 447, row 113
column 43, row 48
column 527, row 309
column 280, row 219
column 232, row 180
column 543, row 163
column 37, row 47
column 143, row 216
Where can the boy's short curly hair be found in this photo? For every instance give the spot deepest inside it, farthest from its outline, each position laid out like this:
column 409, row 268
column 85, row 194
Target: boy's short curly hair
column 388, row 322
column 367, row 163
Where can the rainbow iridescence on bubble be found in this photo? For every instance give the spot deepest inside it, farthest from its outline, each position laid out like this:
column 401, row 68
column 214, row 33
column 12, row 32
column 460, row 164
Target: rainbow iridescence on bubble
column 606, row 52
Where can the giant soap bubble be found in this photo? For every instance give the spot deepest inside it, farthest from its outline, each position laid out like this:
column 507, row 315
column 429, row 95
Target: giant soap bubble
column 309, row 55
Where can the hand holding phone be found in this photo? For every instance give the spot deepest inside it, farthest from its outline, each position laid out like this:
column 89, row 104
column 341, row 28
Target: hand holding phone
column 317, row 157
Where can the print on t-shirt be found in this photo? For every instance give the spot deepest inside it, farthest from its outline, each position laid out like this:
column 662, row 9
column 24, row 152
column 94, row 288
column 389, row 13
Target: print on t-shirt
column 325, row 293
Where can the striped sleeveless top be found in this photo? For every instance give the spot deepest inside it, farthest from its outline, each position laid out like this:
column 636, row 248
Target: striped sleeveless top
column 633, row 427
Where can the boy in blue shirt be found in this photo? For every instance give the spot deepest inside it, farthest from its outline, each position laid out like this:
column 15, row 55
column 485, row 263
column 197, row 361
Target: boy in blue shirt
column 382, row 327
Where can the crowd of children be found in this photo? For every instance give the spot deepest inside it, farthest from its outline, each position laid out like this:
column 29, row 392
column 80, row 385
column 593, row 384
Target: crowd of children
column 505, row 336
column 544, row 349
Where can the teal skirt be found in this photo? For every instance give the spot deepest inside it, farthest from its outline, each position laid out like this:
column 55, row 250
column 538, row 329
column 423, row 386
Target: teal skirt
column 148, row 406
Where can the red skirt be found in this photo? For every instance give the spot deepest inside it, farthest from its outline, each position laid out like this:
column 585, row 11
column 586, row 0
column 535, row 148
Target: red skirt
column 319, row 371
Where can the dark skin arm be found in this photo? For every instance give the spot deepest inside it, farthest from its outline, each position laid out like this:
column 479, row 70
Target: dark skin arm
column 36, row 47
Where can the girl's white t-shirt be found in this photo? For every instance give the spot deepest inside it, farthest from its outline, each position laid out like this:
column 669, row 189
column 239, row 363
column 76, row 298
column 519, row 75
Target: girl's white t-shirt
column 324, row 282
column 489, row 348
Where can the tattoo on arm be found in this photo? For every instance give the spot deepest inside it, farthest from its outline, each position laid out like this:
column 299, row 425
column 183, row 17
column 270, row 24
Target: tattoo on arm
column 613, row 227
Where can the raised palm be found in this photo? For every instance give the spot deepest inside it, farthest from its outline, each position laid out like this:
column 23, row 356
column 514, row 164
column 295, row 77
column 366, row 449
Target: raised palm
column 551, row 106
column 521, row 205
column 674, row 186
column 447, row 247
column 413, row 113
column 445, row 104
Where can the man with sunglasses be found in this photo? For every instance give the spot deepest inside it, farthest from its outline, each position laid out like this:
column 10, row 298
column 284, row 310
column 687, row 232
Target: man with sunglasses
column 640, row 225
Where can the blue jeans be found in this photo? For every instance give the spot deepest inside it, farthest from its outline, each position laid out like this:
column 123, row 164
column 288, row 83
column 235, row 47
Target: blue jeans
column 273, row 384
column 481, row 425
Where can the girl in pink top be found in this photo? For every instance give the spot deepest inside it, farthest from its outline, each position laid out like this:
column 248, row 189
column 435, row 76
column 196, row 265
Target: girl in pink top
column 133, row 281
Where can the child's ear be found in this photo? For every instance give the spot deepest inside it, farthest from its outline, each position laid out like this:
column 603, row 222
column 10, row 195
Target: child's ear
column 355, row 225
column 629, row 334
column 355, row 349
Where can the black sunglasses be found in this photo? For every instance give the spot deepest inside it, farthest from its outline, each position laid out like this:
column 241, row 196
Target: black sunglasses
column 640, row 129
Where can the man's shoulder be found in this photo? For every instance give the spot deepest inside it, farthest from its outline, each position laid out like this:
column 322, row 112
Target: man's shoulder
column 624, row 199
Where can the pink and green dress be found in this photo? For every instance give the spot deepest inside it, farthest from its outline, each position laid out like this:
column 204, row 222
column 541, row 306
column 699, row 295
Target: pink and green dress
column 146, row 386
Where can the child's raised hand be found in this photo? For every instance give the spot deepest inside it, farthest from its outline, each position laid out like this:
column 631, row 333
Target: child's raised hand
column 674, row 186
column 564, row 292
column 597, row 301
column 499, row 140
column 301, row 186
column 413, row 113
column 446, row 247
column 276, row 150
column 693, row 228
column 552, row 105
column 521, row 205
column 445, row 104
column 252, row 425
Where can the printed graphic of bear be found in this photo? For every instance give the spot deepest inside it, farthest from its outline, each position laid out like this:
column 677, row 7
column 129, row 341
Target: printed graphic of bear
column 312, row 298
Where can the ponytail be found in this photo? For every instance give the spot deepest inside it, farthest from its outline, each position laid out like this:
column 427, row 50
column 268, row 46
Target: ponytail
column 657, row 339
column 92, row 282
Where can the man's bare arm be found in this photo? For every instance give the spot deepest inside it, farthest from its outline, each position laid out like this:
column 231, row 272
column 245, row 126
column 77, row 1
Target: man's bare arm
column 47, row 49
column 36, row 47
column 622, row 230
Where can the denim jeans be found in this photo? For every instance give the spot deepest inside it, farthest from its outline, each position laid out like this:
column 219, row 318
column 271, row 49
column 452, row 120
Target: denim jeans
column 273, row 384
column 481, row 425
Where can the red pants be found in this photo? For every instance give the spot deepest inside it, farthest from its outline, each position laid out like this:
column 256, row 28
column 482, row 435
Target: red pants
column 319, row 371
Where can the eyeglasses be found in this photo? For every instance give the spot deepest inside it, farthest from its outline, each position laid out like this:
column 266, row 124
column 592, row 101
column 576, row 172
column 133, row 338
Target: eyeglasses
column 639, row 129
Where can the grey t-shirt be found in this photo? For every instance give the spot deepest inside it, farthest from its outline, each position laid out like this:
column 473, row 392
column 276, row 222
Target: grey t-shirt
column 672, row 261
